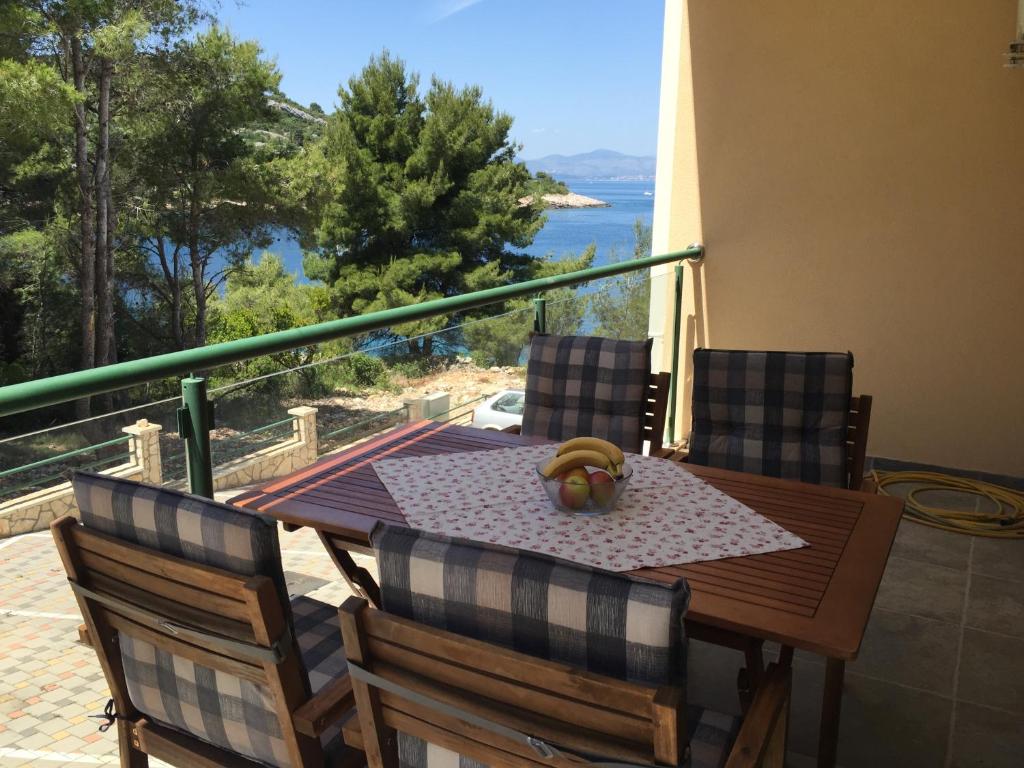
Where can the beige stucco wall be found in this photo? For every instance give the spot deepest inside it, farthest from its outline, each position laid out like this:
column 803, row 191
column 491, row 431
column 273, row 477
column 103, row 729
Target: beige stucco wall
column 856, row 171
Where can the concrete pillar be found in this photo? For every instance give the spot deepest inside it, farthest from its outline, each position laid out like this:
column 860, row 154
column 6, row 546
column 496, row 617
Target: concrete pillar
column 144, row 450
column 304, row 431
column 428, row 406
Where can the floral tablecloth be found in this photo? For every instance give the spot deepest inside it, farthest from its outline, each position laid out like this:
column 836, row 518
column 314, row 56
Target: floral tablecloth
column 666, row 516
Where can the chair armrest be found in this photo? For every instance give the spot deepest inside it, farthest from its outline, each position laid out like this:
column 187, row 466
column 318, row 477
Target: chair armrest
column 762, row 736
column 333, row 702
column 514, row 429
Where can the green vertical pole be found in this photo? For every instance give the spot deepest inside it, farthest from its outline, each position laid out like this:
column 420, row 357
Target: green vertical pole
column 195, row 420
column 677, row 317
column 540, row 320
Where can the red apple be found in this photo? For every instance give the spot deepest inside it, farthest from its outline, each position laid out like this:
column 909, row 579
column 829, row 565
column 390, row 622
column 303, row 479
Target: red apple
column 602, row 487
column 575, row 488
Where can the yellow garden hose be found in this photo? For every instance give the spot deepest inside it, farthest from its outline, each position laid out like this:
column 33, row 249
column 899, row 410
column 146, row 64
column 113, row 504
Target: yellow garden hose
column 1006, row 523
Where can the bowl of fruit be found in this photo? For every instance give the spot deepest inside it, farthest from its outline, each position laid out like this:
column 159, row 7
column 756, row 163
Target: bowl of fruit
column 586, row 476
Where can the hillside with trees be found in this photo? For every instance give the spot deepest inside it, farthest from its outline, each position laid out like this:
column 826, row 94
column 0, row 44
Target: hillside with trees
column 148, row 157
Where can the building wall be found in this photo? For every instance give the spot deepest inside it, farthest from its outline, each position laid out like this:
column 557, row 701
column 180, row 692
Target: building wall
column 857, row 176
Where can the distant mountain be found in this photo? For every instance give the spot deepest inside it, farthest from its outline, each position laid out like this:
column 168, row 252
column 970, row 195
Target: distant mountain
column 599, row 164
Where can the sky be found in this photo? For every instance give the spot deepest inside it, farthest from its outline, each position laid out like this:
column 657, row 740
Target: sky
column 576, row 75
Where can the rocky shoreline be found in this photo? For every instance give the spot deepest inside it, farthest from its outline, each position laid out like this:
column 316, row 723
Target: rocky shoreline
column 570, row 200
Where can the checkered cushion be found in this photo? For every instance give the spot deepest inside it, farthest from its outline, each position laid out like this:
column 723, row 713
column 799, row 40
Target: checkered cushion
column 226, row 710
column 587, row 385
column 319, row 636
column 182, row 525
column 599, row 621
column 711, row 735
column 782, row 414
column 220, row 708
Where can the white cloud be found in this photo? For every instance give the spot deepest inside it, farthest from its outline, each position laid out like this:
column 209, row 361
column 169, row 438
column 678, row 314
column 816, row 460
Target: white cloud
column 445, row 8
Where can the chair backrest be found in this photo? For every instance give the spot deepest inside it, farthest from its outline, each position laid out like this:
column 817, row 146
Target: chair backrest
column 589, row 660
column 588, row 385
column 185, row 605
column 781, row 414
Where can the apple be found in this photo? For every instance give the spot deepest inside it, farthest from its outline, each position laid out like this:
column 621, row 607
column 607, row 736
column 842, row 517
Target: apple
column 575, row 488
column 602, row 487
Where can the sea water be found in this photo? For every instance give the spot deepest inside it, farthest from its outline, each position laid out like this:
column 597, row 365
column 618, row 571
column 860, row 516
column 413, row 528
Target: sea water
column 567, row 232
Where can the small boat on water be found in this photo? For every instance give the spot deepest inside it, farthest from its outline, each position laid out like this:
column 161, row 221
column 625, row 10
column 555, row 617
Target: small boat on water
column 648, row 194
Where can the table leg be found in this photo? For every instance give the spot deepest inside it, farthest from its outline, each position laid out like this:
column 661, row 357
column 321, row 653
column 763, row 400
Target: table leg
column 359, row 579
column 828, row 735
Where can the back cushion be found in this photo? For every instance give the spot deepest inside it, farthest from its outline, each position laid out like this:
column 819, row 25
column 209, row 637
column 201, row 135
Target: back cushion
column 587, row 385
column 781, row 414
column 215, row 706
column 594, row 620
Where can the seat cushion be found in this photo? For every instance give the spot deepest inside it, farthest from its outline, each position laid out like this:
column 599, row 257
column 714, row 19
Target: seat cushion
column 225, row 710
column 594, row 620
column 711, row 735
column 319, row 635
column 587, row 385
column 781, row 414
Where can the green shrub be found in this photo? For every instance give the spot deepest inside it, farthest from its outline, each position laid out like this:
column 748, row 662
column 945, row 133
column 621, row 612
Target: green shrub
column 363, row 371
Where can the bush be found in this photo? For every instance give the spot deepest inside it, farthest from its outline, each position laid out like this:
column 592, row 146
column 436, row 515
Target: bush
column 361, row 370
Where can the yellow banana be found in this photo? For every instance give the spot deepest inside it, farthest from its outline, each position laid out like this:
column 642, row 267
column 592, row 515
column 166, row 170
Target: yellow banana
column 612, row 451
column 575, row 459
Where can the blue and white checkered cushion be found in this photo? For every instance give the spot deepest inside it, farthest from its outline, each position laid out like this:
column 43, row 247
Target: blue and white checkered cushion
column 587, row 385
column 595, row 620
column 215, row 706
column 781, row 414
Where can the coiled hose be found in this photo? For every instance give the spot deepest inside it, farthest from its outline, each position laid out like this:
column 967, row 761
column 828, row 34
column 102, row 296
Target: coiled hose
column 1006, row 523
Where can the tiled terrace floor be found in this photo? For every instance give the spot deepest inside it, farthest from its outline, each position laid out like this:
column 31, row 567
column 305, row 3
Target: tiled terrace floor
column 939, row 682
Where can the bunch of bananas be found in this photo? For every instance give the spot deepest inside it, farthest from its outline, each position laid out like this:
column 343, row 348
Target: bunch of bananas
column 586, row 452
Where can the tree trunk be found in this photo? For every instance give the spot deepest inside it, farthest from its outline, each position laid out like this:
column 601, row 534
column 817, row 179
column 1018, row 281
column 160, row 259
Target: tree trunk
column 198, row 286
column 104, row 235
column 172, row 276
column 87, row 225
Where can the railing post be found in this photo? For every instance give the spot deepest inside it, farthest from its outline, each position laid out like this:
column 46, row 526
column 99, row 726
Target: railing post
column 540, row 319
column 677, row 316
column 144, row 448
column 195, row 420
column 304, row 430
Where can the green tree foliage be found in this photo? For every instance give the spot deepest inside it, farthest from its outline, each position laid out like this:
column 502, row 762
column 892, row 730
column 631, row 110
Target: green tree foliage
column 262, row 298
column 424, row 201
column 546, row 184
column 500, row 339
column 205, row 189
column 622, row 309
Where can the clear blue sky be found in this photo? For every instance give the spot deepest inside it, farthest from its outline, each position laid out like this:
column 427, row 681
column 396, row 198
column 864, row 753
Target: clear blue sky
column 576, row 75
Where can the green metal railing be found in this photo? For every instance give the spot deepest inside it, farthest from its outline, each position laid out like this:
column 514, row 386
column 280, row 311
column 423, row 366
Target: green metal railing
column 351, row 428
column 195, row 417
column 61, row 457
column 450, row 413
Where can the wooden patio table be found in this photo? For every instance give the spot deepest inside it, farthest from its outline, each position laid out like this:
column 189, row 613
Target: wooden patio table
column 818, row 598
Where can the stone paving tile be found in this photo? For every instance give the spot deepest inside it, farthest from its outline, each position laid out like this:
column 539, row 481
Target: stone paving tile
column 51, row 684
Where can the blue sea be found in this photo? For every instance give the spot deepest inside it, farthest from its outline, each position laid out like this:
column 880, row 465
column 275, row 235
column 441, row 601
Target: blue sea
column 567, row 231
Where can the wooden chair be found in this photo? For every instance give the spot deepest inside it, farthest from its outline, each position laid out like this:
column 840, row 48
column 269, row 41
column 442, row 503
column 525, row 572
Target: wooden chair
column 207, row 661
column 655, row 413
column 573, row 718
column 856, row 445
column 556, row 361
column 424, row 692
column 714, row 394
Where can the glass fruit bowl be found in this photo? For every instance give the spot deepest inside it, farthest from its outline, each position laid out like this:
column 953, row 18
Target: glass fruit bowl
column 585, row 490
